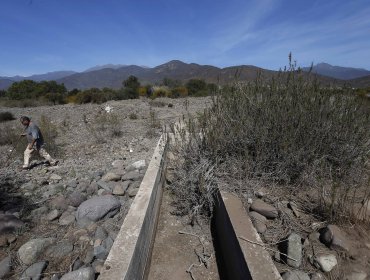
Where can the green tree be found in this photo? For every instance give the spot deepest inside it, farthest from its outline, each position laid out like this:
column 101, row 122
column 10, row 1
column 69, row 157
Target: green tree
column 131, row 87
column 196, row 87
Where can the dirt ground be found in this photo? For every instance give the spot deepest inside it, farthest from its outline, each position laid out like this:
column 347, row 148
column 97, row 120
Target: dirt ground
column 174, row 253
column 85, row 153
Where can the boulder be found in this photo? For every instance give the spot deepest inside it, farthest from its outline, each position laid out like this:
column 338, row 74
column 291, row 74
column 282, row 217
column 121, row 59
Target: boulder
column 9, row 223
column 138, row 165
column 133, row 176
column 59, row 250
column 53, row 215
column 294, row 250
column 36, row 213
column 34, row 271
column 295, row 275
column 105, row 185
column 119, row 189
column 264, row 209
column 132, row 192
column 119, row 164
column 325, row 262
column 59, row 203
column 110, row 176
column 334, row 238
column 67, row 218
column 86, row 273
column 5, row 267
column 258, row 221
column 98, row 207
column 30, row 251
column 317, row 276
column 76, row 198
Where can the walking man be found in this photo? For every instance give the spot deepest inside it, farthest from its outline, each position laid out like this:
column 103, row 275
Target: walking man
column 35, row 143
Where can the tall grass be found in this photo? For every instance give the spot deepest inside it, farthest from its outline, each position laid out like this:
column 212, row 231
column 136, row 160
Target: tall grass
column 289, row 132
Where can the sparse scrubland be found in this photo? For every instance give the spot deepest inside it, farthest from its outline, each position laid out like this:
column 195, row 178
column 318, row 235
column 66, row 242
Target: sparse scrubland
column 287, row 142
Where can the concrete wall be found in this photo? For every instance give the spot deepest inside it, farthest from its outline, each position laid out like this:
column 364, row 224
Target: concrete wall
column 131, row 251
column 238, row 259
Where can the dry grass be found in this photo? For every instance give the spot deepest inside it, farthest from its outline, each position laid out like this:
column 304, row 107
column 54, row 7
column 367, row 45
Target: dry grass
column 289, row 133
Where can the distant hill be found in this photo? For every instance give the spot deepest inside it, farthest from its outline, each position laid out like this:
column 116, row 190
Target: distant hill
column 39, row 77
column 112, row 75
column 174, row 69
column 360, row 82
column 5, row 83
column 99, row 67
column 338, row 72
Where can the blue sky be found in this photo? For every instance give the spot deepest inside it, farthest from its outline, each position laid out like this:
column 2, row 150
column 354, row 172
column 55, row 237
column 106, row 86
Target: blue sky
column 38, row 36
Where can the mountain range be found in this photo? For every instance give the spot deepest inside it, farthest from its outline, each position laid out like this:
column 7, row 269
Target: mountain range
column 112, row 75
column 338, row 72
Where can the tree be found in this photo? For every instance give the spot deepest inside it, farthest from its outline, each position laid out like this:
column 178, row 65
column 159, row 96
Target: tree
column 196, row 87
column 131, row 87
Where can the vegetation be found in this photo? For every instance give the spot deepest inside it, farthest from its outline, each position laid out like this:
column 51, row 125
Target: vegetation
column 289, row 133
column 6, row 116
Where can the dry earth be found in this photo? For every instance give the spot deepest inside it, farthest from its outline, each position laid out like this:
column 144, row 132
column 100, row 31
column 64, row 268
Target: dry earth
column 49, row 220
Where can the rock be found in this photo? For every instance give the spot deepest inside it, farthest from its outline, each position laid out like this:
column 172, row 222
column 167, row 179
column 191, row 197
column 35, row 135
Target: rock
column 72, row 183
column 53, row 215
column 5, row 267
column 11, row 238
column 133, row 176
column 119, row 189
column 333, row 237
column 314, row 236
column 92, row 189
column 34, row 271
column 84, row 222
column 295, row 275
column 132, row 192
column 36, row 213
column 98, row 265
column 104, row 185
column 55, row 177
column 76, row 198
column 77, row 264
column 59, row 250
column 317, row 276
column 259, row 221
column 100, row 252
column 30, row 251
column 119, row 164
column 66, row 218
column 110, row 176
column 100, row 233
column 9, row 223
column 294, row 250
column 89, row 256
column 98, row 207
column 260, row 194
column 59, row 203
column 325, row 262
column 264, row 209
column 356, row 275
column 3, row 241
column 108, row 243
column 86, row 273
column 138, row 165
column 292, row 205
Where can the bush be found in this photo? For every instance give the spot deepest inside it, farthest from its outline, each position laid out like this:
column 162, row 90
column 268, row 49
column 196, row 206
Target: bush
column 290, row 132
column 104, row 126
column 133, row 116
column 6, row 116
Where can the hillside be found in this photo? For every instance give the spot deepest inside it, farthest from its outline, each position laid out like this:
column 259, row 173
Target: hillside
column 338, row 72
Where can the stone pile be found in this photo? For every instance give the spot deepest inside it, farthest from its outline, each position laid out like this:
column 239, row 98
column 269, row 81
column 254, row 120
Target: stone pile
column 87, row 211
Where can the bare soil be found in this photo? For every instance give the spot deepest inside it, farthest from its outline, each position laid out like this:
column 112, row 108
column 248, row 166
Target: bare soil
column 177, row 248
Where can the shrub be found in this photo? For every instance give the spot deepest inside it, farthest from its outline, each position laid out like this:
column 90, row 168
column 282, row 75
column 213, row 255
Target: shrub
column 133, row 116
column 6, row 116
column 104, row 126
column 290, row 132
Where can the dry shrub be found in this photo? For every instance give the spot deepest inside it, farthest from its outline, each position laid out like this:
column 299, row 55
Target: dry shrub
column 290, row 132
column 104, row 126
column 6, row 116
column 49, row 132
